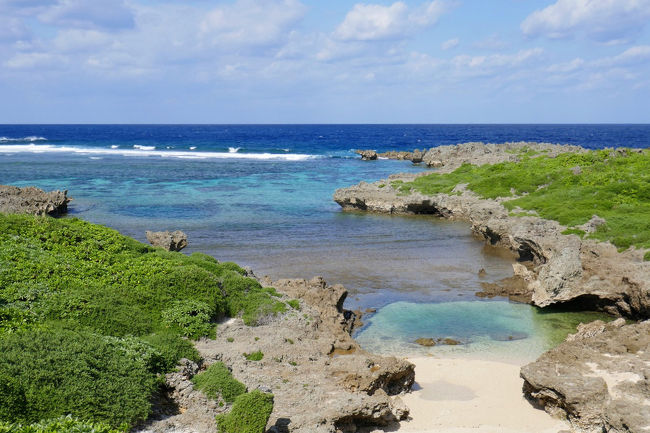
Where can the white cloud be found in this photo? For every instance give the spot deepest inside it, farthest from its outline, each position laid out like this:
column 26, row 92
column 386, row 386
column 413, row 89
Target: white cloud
column 451, row 43
column 371, row 22
column 251, row 22
column 33, row 60
column 632, row 56
column 107, row 14
column 609, row 21
column 13, row 29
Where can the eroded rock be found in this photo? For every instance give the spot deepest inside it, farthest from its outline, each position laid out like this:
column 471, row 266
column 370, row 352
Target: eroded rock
column 599, row 378
column 33, row 201
column 171, row 241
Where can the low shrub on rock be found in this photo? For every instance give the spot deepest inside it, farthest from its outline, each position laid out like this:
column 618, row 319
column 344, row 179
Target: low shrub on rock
column 218, row 381
column 65, row 424
column 249, row 414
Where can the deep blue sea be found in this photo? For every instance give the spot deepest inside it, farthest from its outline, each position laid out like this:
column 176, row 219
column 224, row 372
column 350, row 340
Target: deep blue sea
column 261, row 195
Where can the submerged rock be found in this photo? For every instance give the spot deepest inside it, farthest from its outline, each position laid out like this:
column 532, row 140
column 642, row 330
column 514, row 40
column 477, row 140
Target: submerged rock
column 33, row 201
column 171, row 241
column 426, row 342
column 599, row 378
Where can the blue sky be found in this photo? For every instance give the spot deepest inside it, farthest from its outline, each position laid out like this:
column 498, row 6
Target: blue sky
column 293, row 61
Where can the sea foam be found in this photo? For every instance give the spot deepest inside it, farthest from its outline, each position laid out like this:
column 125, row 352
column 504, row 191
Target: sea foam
column 150, row 151
column 29, row 139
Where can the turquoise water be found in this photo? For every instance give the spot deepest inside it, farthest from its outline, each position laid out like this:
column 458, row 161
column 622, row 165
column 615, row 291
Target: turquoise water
column 262, row 196
column 485, row 329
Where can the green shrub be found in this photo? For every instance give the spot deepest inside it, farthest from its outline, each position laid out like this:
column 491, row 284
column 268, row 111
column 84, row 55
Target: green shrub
column 218, row 381
column 191, row 318
column 45, row 374
column 646, row 256
column 294, row 303
column 65, row 424
column 577, row 232
column 255, row 356
column 171, row 348
column 249, row 414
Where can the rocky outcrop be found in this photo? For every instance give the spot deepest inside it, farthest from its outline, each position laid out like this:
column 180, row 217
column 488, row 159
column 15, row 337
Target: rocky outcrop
column 33, row 201
column 322, row 381
column 599, row 378
column 367, row 155
column 171, row 241
column 555, row 268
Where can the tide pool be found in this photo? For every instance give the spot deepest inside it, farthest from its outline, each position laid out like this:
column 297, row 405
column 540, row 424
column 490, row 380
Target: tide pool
column 499, row 330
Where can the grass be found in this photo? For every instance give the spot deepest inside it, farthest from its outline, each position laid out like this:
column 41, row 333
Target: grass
column 218, row 381
column 90, row 319
column 249, row 414
column 255, row 356
column 612, row 185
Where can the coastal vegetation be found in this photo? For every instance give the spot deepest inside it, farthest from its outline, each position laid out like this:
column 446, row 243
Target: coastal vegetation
column 249, row 414
column 218, row 381
column 569, row 188
column 90, row 320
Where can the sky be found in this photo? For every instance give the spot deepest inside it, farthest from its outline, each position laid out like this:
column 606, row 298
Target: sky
column 309, row 61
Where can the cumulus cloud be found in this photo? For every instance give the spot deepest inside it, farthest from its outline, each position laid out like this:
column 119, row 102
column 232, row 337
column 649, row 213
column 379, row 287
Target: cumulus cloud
column 13, row 29
column 609, row 21
column 251, row 22
column 370, row 22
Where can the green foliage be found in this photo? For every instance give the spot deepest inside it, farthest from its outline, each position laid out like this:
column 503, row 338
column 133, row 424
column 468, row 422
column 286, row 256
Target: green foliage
column 249, row 414
column 191, row 318
column 646, row 256
column 218, row 381
column 294, row 303
column 49, row 373
column 230, row 339
column 132, row 303
column 255, row 356
column 65, row 424
column 612, row 185
column 171, row 348
column 578, row 232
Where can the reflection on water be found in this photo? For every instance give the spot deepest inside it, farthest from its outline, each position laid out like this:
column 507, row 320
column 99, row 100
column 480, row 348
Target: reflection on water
column 486, row 329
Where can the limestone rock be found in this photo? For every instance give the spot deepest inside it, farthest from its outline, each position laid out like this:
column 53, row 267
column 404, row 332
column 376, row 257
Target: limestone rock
column 33, row 201
column 367, row 155
column 599, row 378
column 426, row 342
column 171, row 241
column 560, row 268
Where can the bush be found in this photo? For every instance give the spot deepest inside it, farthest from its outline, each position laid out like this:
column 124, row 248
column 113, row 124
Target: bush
column 65, row 424
column 218, row 381
column 294, row 303
column 172, row 348
column 191, row 318
column 48, row 373
column 249, row 414
column 255, row 356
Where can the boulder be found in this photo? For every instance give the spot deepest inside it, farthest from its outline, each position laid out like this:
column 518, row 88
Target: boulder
column 367, row 155
column 33, row 201
column 171, row 241
column 598, row 379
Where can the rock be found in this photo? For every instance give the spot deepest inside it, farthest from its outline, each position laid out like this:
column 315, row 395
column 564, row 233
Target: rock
column 593, row 224
column 427, row 342
column 367, row 155
column 171, row 241
column 448, row 341
column 576, row 170
column 322, row 381
column 598, row 378
column 33, row 201
column 482, row 273
column 553, row 269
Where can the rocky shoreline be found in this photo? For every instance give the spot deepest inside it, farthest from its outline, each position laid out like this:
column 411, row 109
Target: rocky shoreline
column 598, row 379
column 309, row 361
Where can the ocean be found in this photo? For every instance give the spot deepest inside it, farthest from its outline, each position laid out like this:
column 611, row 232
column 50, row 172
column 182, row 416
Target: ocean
column 261, row 195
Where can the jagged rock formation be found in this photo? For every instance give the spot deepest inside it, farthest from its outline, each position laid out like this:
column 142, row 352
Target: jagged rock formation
column 558, row 268
column 322, row 381
column 599, row 378
column 171, row 241
column 33, row 201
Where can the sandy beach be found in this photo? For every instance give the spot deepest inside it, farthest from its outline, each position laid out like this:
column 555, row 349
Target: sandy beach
column 470, row 395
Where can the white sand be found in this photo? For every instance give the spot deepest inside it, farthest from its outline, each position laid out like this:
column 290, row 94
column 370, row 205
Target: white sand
column 471, row 396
